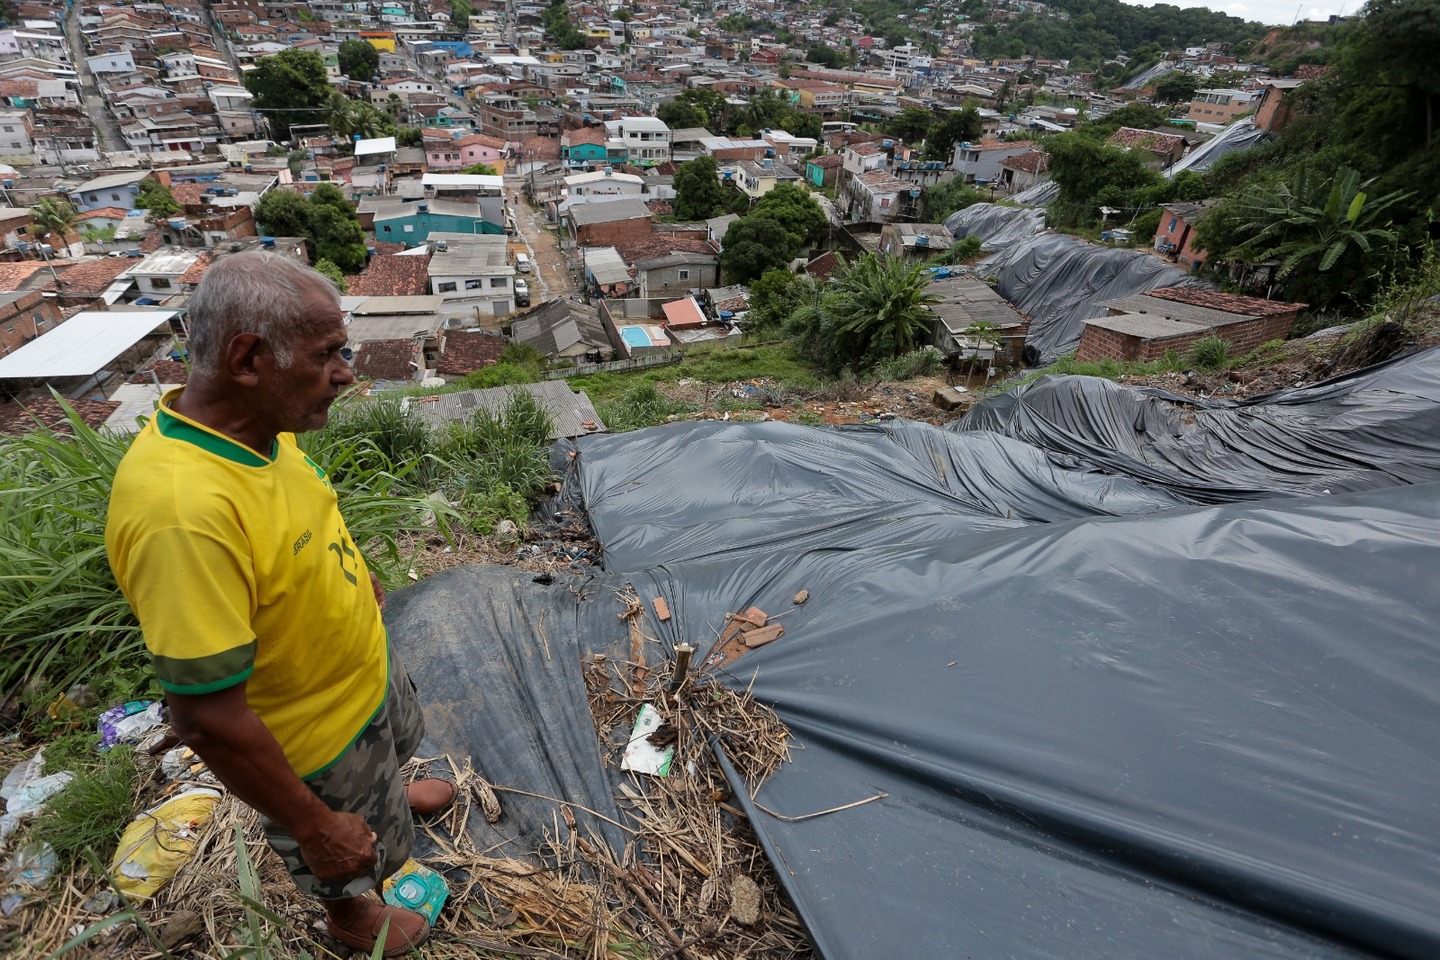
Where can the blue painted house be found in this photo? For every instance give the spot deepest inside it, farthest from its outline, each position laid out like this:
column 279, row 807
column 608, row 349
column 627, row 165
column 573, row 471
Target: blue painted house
column 413, row 223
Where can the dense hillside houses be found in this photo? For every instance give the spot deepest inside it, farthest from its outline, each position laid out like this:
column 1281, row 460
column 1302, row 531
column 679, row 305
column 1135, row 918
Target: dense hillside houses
column 157, row 128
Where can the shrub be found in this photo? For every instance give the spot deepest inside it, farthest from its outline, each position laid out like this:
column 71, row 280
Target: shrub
column 641, row 406
column 925, row 362
column 1210, row 353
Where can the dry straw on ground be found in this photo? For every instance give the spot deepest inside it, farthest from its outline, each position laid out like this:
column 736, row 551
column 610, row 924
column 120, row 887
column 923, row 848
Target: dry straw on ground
column 692, row 882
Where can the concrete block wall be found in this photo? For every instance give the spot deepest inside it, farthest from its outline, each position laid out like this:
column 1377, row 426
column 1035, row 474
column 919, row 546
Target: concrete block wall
column 1098, row 343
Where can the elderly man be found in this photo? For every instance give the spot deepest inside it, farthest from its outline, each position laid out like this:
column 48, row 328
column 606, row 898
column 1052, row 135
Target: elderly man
column 261, row 619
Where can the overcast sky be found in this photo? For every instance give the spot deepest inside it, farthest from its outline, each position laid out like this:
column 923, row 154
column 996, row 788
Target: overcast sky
column 1270, row 11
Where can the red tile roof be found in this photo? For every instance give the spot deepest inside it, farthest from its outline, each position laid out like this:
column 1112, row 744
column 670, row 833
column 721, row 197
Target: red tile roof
column 198, row 268
column 166, row 371
column 653, row 247
column 14, row 275
column 188, row 194
column 591, row 135
column 393, row 276
column 387, row 359
column 20, row 418
column 1036, row 161
column 541, row 148
column 113, row 213
column 93, row 278
column 821, row 267
column 467, row 351
column 1227, row 302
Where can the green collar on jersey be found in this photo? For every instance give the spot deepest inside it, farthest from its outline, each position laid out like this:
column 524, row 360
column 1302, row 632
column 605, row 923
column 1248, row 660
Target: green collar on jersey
column 175, row 427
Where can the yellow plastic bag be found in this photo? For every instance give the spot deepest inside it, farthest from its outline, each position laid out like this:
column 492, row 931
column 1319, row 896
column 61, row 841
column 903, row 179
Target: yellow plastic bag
column 160, row 840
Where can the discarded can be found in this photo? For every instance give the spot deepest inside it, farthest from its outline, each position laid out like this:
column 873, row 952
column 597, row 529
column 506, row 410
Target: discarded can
column 417, row 887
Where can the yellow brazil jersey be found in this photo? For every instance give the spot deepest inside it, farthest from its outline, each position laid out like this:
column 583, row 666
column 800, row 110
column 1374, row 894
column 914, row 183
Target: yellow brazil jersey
column 241, row 570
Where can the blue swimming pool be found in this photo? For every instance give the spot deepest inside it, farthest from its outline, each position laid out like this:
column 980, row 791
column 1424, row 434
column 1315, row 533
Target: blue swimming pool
column 635, row 337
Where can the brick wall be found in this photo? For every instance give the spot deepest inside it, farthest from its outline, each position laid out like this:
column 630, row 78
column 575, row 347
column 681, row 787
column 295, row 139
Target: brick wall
column 1098, row 343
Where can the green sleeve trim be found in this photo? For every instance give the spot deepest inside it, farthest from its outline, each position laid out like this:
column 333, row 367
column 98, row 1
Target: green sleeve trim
column 197, row 689
column 216, row 671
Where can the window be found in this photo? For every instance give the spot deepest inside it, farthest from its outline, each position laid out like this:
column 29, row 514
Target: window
column 9, row 129
column 684, row 274
column 160, row 283
column 409, row 228
column 114, row 196
column 473, row 284
column 499, row 282
column 386, row 228
column 1173, row 222
column 447, row 287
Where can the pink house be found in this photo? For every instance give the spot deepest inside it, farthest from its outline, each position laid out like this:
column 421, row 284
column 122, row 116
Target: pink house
column 452, row 150
column 1175, row 237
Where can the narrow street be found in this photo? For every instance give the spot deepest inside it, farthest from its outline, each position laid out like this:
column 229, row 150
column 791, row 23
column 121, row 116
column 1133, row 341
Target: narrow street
column 550, row 277
column 107, row 131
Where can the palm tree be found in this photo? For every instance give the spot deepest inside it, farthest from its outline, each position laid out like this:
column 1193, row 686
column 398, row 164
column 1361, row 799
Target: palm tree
column 880, row 305
column 54, row 216
column 1302, row 224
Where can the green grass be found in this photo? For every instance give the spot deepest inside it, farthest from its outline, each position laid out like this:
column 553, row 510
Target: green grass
column 1107, row 369
column 774, row 361
column 93, row 809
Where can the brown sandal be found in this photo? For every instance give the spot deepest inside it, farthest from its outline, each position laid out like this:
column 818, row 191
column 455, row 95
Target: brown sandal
column 430, row 796
column 407, row 930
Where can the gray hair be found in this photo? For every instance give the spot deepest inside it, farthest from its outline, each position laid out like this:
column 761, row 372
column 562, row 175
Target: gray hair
column 252, row 292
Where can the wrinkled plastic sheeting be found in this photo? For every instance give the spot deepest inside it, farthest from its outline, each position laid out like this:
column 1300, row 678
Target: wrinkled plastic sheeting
column 496, row 661
column 1208, row 732
column 1373, row 428
column 1041, row 194
column 1240, row 135
column 1057, row 281
column 726, row 490
column 997, row 227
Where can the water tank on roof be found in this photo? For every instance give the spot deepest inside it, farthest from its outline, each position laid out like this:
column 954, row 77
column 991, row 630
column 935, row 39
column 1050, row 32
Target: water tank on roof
column 235, row 246
column 922, row 241
column 442, row 245
column 268, row 243
column 45, row 249
column 423, row 207
column 177, row 223
column 9, row 184
column 249, row 167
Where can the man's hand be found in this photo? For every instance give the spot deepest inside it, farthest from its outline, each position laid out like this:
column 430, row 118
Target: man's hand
column 341, row 847
column 379, row 591
column 243, row 754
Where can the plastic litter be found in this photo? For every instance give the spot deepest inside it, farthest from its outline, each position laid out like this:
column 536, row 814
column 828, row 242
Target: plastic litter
column 156, row 843
column 641, row 755
column 129, row 722
column 416, row 887
column 21, row 774
column 32, row 865
column 30, row 799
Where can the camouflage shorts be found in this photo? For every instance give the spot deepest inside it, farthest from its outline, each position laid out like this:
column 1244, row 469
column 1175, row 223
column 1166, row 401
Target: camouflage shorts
column 366, row 780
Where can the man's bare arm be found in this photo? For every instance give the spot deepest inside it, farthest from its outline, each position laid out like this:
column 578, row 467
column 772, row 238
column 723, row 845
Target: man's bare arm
column 244, row 755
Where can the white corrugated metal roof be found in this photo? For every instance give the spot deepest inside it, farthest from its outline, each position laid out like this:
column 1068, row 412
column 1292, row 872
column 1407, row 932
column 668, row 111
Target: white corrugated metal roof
column 82, row 345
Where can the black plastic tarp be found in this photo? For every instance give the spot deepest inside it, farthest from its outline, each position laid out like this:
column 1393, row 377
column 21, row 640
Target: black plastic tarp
column 998, row 227
column 1057, row 280
column 1092, row 718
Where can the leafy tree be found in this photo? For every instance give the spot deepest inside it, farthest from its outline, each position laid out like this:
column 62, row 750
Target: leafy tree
column 54, row 216
column 1399, row 43
column 409, row 137
column 623, row 15
column 290, row 87
column 460, row 12
column 871, row 310
column 480, row 170
column 359, row 60
column 942, row 199
column 957, row 126
column 1091, row 175
column 911, row 124
column 281, row 213
column 1314, row 226
column 775, row 296
column 1176, row 87
column 156, row 198
column 355, row 118
column 338, row 238
column 823, row 55
column 754, row 245
column 699, row 194
column 332, row 273
column 1141, row 116
column 710, row 103
column 796, row 209
column 680, row 114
